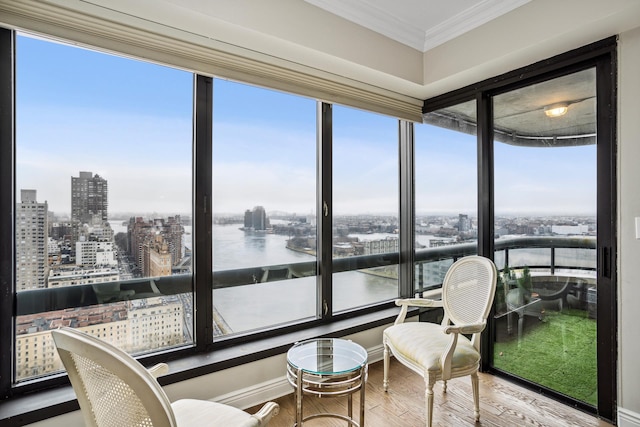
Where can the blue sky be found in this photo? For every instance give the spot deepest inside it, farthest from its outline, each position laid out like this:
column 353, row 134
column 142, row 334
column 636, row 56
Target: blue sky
column 128, row 121
column 131, row 122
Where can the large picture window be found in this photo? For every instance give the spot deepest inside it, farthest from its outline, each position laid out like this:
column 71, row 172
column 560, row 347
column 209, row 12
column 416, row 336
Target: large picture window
column 365, row 207
column 264, row 224
column 103, row 201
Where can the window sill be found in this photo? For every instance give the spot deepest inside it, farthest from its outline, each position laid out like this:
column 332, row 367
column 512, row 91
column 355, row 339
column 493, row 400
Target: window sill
column 30, row 408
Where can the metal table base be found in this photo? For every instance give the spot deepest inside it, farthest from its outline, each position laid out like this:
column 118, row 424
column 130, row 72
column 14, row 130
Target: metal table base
column 326, row 383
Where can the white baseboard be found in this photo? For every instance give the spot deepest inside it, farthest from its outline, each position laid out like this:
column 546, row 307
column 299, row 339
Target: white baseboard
column 272, row 389
column 628, row 418
column 256, row 394
column 375, row 353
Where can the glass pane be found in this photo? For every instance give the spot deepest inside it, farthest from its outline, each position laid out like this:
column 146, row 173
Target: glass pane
column 103, row 192
column 264, row 232
column 445, row 192
column 365, row 208
column 545, row 216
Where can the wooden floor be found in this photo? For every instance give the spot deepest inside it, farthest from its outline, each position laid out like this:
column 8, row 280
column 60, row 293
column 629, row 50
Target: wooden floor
column 501, row 404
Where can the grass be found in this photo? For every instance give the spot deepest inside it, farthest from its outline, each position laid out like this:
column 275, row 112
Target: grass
column 558, row 352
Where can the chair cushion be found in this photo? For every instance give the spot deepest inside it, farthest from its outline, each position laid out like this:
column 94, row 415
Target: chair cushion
column 204, row 413
column 423, row 344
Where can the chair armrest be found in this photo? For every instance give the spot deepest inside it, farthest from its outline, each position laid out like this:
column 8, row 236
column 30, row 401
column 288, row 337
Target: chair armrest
column 419, row 302
column 473, row 328
column 414, row 302
column 454, row 331
column 268, row 411
column 159, row 370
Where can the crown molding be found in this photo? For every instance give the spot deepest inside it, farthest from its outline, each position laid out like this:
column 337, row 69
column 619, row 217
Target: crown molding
column 382, row 21
column 375, row 19
column 467, row 20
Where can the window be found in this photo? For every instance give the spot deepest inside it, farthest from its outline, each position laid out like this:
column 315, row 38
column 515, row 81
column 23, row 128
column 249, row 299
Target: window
column 264, row 186
column 546, row 215
column 107, row 172
column 446, row 183
column 365, row 207
column 103, row 164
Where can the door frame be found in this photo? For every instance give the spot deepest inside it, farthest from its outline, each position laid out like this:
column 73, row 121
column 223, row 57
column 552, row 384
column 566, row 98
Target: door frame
column 603, row 56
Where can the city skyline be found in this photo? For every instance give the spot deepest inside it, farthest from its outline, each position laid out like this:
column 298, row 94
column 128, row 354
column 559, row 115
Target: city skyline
column 130, row 122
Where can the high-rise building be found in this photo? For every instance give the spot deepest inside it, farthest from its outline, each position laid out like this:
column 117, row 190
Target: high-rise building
column 256, row 219
column 32, row 235
column 89, row 199
column 260, row 220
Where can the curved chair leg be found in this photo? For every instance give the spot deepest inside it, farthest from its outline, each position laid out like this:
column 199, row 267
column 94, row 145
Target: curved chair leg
column 476, row 396
column 386, row 356
column 444, row 386
column 429, row 402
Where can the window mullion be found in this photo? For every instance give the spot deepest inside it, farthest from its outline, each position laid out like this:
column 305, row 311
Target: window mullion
column 486, row 220
column 7, row 157
column 203, row 184
column 324, row 299
column 406, row 267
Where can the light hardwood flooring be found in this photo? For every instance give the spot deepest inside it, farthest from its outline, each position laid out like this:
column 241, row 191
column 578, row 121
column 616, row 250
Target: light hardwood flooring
column 501, row 404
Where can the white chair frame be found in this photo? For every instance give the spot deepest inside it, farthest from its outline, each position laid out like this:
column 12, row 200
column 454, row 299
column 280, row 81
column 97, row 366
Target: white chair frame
column 115, row 390
column 465, row 313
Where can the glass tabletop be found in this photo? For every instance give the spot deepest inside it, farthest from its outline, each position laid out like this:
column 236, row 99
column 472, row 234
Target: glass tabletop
column 326, row 356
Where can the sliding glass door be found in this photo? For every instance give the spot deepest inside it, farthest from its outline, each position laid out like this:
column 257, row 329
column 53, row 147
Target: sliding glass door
column 545, row 234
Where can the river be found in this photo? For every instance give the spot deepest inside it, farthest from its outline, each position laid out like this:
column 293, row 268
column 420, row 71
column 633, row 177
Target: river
column 261, row 305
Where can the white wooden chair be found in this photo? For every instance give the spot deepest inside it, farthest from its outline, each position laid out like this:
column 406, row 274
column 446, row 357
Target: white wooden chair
column 442, row 352
column 115, row 390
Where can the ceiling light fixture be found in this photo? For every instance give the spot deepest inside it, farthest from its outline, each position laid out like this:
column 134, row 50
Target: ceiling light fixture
column 556, row 110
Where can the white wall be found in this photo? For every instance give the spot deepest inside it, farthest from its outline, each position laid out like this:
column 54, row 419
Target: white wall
column 628, row 245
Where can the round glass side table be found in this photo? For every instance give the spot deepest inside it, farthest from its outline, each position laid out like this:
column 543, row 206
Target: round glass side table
column 327, row 367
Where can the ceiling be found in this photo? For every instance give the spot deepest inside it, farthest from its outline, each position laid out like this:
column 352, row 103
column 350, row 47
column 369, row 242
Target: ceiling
column 519, row 115
column 383, row 55
column 420, row 24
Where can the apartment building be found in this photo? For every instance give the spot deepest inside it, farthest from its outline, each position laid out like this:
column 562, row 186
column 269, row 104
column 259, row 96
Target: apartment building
column 89, row 198
column 32, row 241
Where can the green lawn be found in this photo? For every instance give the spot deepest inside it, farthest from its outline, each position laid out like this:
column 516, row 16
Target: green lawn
column 558, row 352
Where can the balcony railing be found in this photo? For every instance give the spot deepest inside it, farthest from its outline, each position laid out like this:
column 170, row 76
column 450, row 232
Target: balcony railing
column 50, row 299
